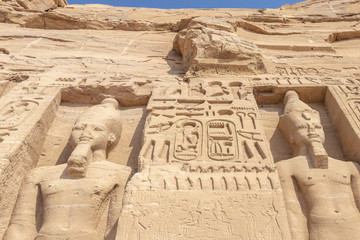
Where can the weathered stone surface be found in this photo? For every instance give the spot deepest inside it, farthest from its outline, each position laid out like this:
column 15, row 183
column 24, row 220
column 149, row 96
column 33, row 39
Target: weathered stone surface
column 236, row 123
column 33, row 5
column 208, row 40
column 41, row 5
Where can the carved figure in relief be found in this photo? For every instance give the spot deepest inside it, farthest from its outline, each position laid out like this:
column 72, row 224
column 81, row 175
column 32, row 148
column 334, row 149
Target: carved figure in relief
column 68, row 201
column 208, row 221
column 322, row 194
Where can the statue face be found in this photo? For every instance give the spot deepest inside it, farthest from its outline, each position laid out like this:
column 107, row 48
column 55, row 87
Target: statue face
column 306, row 127
column 93, row 131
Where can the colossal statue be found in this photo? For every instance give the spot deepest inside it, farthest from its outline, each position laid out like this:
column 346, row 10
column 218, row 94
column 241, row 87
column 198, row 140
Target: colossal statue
column 68, row 201
column 322, row 194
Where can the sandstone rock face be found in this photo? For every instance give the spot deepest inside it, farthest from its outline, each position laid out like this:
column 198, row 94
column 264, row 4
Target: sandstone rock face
column 134, row 123
column 207, row 40
column 33, row 5
column 41, row 5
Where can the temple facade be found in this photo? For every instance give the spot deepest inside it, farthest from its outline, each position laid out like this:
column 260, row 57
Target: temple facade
column 133, row 123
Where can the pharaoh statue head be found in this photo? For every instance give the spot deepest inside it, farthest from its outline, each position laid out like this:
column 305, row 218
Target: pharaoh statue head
column 301, row 126
column 95, row 133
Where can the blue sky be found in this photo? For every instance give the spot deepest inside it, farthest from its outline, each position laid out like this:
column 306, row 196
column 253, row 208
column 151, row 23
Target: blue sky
column 190, row 3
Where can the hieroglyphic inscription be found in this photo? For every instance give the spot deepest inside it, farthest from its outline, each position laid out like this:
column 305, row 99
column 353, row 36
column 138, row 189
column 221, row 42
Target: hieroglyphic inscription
column 222, row 144
column 199, row 92
column 352, row 100
column 68, row 82
column 204, row 121
column 350, row 91
column 340, row 70
column 296, row 71
column 354, row 105
column 301, row 80
column 212, row 89
column 220, row 117
column 350, row 96
column 251, row 136
column 208, row 176
column 188, row 140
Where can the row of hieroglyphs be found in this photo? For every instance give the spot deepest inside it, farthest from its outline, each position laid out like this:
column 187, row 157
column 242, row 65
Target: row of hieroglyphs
column 207, row 176
column 315, row 71
column 312, row 80
column 219, row 140
column 241, row 88
column 215, row 177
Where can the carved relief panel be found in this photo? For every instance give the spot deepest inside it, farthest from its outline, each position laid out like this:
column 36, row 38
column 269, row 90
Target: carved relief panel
column 203, row 215
column 204, row 121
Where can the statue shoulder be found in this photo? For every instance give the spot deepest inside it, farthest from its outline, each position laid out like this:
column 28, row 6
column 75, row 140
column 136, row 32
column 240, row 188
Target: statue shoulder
column 290, row 165
column 353, row 166
column 36, row 175
column 119, row 173
column 114, row 167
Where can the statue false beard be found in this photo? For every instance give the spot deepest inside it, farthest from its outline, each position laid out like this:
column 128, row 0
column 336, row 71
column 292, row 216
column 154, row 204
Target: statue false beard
column 318, row 155
column 78, row 161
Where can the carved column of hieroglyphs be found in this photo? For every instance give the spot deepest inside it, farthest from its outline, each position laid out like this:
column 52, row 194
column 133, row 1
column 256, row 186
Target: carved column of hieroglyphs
column 206, row 169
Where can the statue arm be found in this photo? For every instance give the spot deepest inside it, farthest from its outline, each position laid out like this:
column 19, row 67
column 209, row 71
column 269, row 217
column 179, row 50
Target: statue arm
column 22, row 225
column 296, row 217
column 115, row 206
